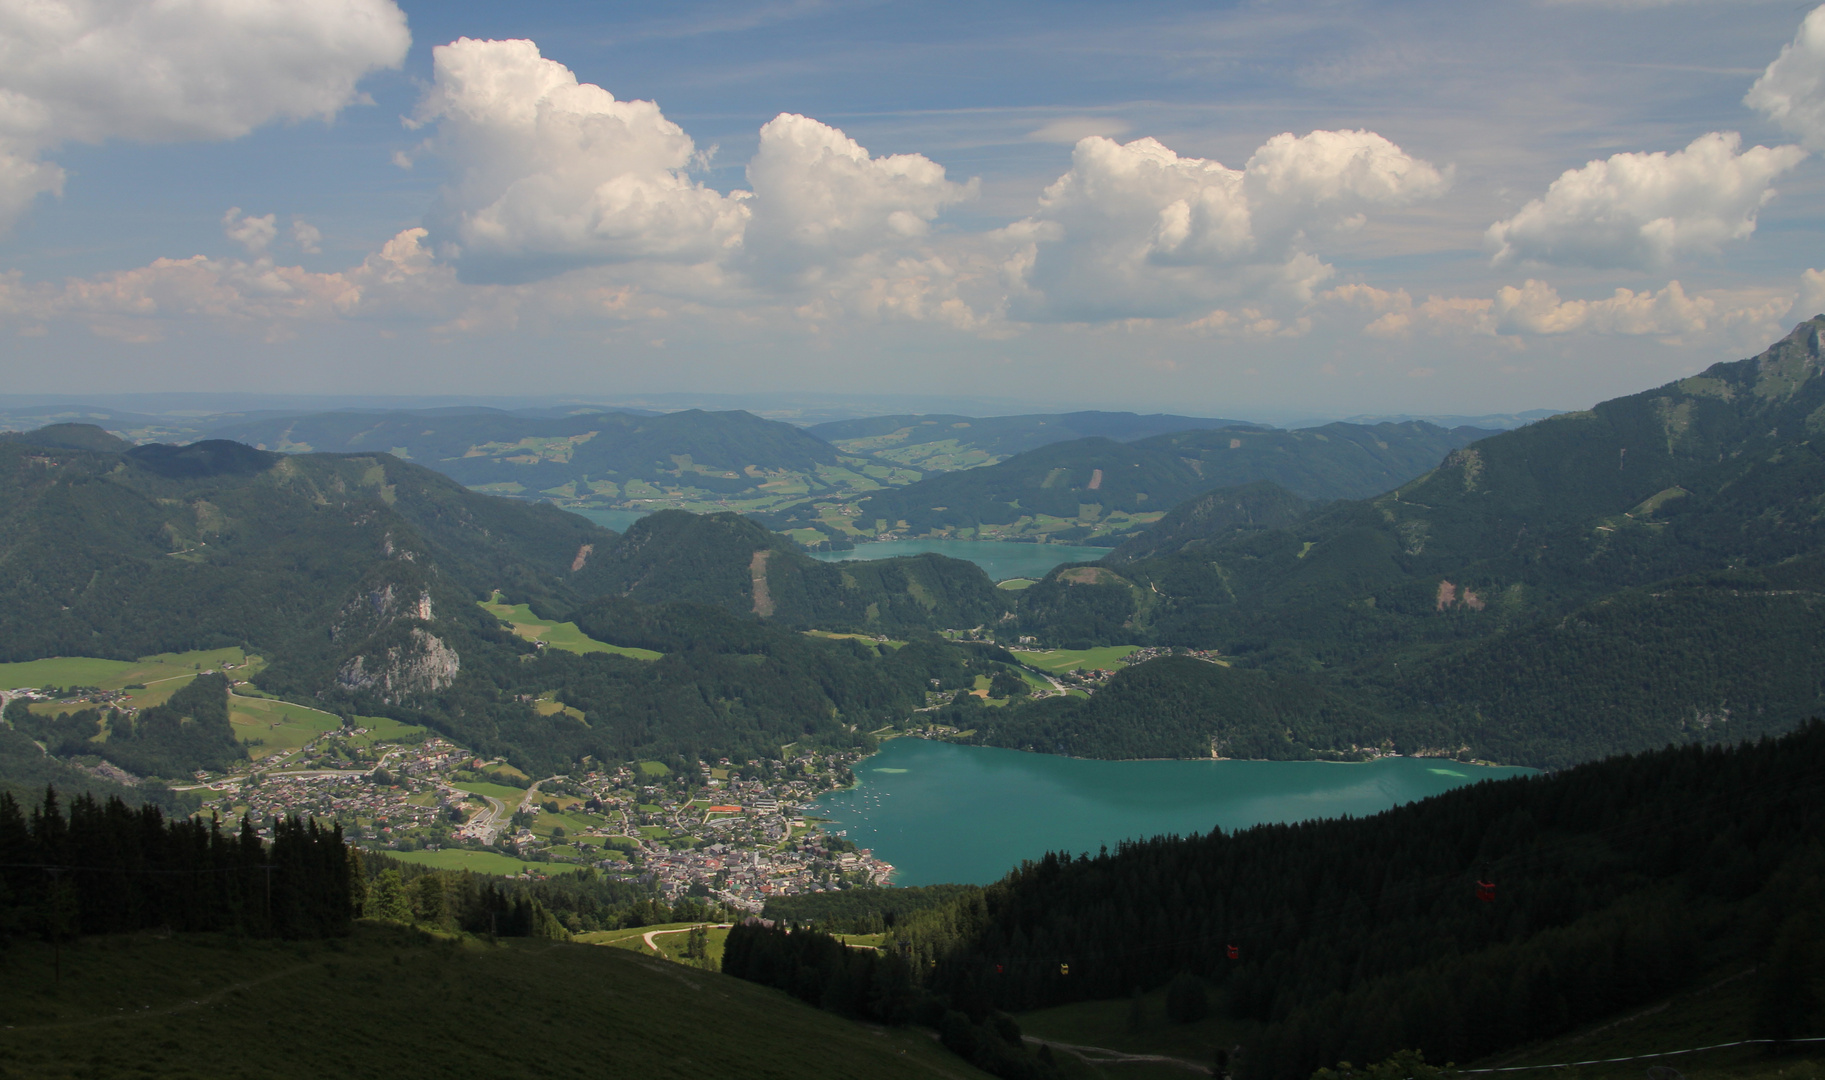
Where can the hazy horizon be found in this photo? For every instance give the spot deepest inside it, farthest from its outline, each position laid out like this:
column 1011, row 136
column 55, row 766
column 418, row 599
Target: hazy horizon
column 1246, row 209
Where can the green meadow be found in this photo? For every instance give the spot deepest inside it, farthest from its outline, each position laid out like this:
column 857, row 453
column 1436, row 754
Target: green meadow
column 277, row 725
column 383, row 729
column 558, row 635
column 153, row 678
column 509, row 795
column 1108, row 658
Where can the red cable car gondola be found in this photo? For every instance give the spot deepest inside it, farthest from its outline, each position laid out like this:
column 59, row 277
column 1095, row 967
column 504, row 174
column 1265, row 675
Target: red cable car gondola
column 1485, row 889
column 1235, row 953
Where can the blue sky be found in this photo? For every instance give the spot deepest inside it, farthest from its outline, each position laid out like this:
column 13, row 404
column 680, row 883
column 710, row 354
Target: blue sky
column 1229, row 209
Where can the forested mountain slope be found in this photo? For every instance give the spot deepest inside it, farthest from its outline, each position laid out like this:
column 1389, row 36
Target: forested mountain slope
column 1650, row 570
column 1214, row 517
column 1088, row 480
column 357, row 576
column 732, row 562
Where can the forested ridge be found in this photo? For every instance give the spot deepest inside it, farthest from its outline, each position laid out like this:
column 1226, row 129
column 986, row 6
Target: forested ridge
column 1650, row 570
column 1489, row 916
column 357, row 577
column 1157, row 473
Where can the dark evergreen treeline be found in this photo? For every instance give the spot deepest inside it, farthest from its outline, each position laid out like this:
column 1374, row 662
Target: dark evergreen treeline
column 1616, row 883
column 108, row 868
column 862, row 911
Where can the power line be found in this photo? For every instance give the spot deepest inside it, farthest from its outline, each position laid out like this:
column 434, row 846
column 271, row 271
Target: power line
column 1643, row 1057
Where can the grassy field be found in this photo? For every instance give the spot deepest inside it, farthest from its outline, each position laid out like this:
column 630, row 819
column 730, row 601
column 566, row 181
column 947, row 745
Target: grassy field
column 1015, row 584
column 869, row 638
column 482, row 862
column 572, row 823
column 509, row 795
column 277, row 725
column 670, row 942
column 1105, row 1023
column 118, row 674
column 1107, row 658
column 673, row 946
column 558, row 635
column 382, row 729
column 387, row 1003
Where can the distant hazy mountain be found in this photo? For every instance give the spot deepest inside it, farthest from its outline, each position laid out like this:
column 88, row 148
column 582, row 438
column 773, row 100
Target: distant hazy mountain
column 1493, row 421
column 935, row 442
column 1094, row 487
column 609, row 458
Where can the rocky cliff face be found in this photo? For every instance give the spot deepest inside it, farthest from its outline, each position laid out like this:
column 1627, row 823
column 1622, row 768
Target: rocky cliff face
column 419, row 664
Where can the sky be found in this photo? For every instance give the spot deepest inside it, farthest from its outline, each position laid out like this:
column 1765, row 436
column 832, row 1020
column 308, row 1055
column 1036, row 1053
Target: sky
column 1228, row 209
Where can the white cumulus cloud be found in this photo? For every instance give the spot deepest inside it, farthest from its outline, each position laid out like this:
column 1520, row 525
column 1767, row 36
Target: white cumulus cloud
column 174, row 70
column 820, row 198
column 1811, row 300
column 1644, row 211
column 1136, row 231
column 1791, row 92
column 253, row 233
column 1535, row 309
column 552, row 173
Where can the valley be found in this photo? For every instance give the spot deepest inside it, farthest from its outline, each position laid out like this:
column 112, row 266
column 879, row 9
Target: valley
column 516, row 717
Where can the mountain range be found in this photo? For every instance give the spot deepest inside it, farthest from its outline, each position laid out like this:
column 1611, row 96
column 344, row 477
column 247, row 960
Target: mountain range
column 1648, row 570
column 1098, row 489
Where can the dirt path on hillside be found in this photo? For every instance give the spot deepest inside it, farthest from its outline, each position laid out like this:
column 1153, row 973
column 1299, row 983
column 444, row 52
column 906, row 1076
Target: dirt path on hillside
column 146, row 1013
column 1102, row 1055
column 757, row 570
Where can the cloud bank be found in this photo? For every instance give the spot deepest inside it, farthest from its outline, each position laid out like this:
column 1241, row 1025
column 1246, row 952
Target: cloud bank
column 1135, row 231
column 177, row 70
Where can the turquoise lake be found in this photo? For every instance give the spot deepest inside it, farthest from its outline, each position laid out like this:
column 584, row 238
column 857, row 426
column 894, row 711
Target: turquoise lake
column 999, row 559
column 940, row 812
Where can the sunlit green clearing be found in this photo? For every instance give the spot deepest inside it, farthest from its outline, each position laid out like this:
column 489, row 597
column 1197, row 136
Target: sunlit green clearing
column 1106, row 658
column 559, row 635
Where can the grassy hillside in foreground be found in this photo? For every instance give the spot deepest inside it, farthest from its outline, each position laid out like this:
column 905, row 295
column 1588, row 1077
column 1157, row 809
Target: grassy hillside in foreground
column 388, row 1003
column 1721, row 1011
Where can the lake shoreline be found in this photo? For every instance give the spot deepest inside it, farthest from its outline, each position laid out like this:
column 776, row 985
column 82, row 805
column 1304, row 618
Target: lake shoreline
column 921, row 804
column 1478, row 762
